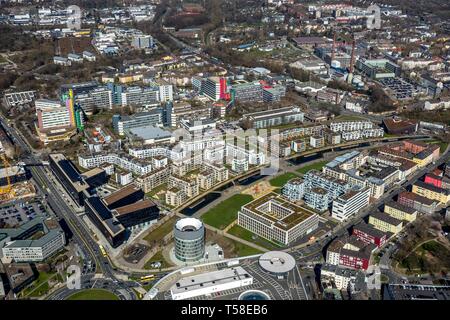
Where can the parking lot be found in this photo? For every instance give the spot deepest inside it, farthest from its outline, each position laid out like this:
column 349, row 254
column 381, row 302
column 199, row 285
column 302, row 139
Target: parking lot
column 19, row 213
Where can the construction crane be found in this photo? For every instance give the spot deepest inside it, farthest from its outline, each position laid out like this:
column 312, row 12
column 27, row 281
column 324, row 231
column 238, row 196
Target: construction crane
column 6, row 192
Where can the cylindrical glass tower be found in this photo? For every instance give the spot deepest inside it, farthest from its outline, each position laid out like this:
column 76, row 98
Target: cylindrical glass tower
column 189, row 234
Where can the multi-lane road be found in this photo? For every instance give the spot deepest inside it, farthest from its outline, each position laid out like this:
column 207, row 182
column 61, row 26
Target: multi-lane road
column 81, row 235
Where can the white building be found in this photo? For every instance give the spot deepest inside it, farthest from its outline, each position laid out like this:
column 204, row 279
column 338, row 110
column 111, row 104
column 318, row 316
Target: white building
column 211, row 282
column 350, row 126
column 277, row 219
column 294, row 189
column 51, row 114
column 347, row 205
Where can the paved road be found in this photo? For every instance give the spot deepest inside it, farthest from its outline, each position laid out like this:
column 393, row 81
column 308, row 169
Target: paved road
column 61, row 208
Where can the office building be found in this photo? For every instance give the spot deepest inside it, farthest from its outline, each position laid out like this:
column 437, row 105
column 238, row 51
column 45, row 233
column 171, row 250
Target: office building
column 51, row 115
column 33, row 241
column 275, row 117
column 124, row 123
column 273, row 93
column 189, row 235
column 276, row 219
column 69, row 177
column 350, row 203
column 137, row 214
column 123, row 197
column 246, row 92
column 102, row 218
column 142, row 42
column 378, row 68
column 140, row 96
column 215, row 88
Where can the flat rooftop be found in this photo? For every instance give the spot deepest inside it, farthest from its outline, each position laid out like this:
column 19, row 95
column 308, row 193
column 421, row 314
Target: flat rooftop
column 209, row 279
column 120, row 194
column 144, row 204
column 386, row 218
column 296, row 214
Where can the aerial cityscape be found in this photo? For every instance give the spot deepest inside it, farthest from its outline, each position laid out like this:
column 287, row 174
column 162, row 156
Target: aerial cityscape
column 224, row 150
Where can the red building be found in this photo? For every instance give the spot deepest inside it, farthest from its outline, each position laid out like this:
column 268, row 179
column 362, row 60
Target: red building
column 433, row 179
column 354, row 259
column 369, row 235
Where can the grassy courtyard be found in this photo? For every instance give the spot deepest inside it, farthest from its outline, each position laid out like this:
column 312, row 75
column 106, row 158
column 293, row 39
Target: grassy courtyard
column 226, row 212
column 93, row 294
column 314, row 166
column 281, row 180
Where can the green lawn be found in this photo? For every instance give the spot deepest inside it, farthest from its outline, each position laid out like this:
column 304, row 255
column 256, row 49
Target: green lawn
column 281, row 180
column 157, row 257
column 316, row 166
column 40, row 286
column 161, row 231
column 226, row 212
column 244, row 234
column 93, row 294
column 349, row 118
column 242, row 250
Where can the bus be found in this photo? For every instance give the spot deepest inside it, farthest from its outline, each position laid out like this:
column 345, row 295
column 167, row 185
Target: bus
column 147, row 278
column 103, row 251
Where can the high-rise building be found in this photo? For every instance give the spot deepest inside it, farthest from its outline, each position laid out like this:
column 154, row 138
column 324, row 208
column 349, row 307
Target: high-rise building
column 51, row 114
column 143, row 42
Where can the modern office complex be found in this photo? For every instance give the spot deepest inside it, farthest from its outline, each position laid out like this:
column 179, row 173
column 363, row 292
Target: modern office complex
column 270, row 118
column 123, row 123
column 378, row 68
column 33, row 241
column 347, row 205
column 189, row 234
column 276, row 219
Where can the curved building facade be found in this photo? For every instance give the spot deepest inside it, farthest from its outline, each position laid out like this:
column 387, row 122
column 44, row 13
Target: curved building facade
column 189, row 234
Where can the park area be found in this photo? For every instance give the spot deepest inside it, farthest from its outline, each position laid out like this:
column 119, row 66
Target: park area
column 226, row 212
column 93, row 294
column 430, row 257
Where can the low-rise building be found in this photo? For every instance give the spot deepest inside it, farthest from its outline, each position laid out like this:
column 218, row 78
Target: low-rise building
column 417, row 202
column 210, row 282
column 385, row 223
column 276, row 219
column 399, row 211
column 368, row 234
column 431, row 192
